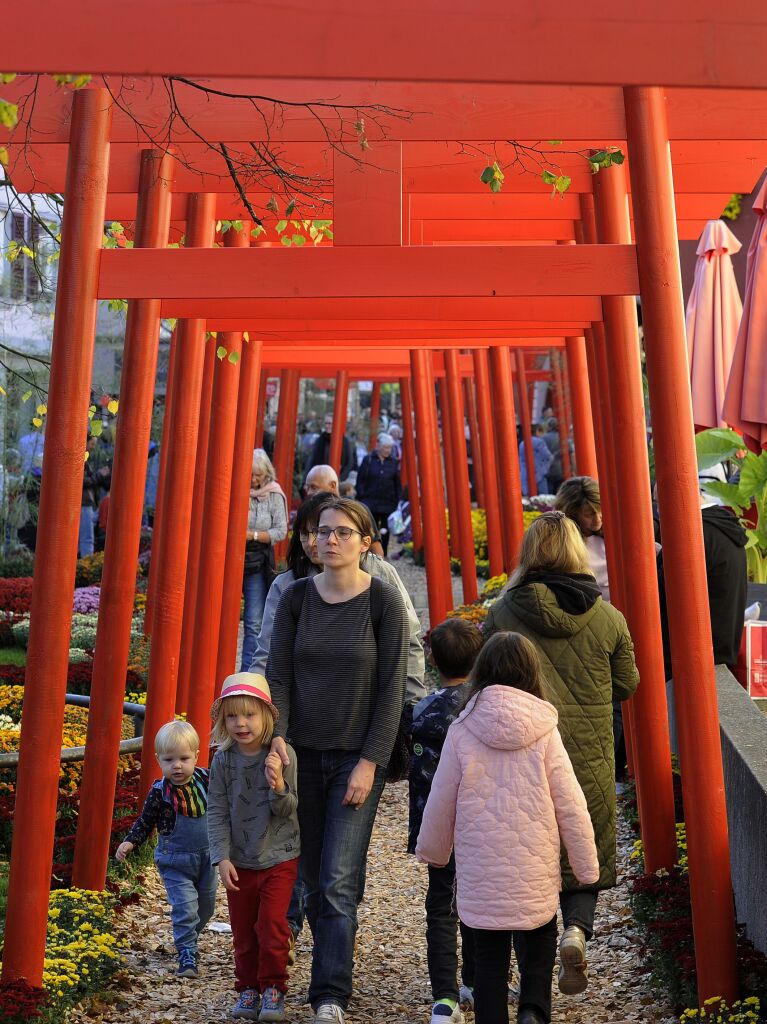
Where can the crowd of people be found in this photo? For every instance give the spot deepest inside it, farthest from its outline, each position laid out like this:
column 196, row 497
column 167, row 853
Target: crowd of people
column 510, row 762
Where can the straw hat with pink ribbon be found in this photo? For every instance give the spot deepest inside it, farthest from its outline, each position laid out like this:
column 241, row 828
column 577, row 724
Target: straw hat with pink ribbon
column 245, row 684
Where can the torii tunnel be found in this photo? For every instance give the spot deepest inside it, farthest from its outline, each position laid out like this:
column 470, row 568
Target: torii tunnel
column 430, row 279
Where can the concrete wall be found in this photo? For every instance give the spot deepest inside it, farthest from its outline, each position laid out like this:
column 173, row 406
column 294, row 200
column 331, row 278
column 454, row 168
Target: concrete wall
column 743, row 729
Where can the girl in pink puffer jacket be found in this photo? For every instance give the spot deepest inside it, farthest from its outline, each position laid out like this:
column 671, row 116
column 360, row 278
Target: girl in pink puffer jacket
column 504, row 795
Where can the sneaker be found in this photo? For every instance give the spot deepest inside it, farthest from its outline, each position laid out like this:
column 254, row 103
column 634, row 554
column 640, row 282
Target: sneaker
column 573, row 975
column 530, row 1016
column 272, row 1005
column 329, row 1013
column 466, row 996
column 246, row 1007
column 441, row 1013
column 187, row 964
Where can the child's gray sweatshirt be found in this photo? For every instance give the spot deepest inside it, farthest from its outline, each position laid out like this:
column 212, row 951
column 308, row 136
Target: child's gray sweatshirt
column 248, row 823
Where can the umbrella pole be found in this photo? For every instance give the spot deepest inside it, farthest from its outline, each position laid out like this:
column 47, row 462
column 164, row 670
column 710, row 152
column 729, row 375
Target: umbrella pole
column 684, row 559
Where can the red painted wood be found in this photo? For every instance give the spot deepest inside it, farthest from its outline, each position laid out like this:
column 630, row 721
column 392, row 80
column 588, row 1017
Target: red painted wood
column 367, row 196
column 375, row 416
column 179, row 485
column 684, row 561
column 409, row 462
column 507, row 454
column 126, row 506
column 525, row 420
column 37, row 779
column 340, row 402
column 492, row 505
column 470, row 399
column 457, row 455
column 583, row 426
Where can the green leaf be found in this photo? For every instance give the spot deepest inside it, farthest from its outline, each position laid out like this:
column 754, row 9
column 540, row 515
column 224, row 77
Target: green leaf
column 487, row 176
column 97, row 428
column 548, row 177
column 237, row 225
column 562, row 184
column 298, row 240
column 495, row 185
column 715, row 446
column 9, row 114
column 286, row 240
column 26, row 396
column 280, row 226
column 234, row 357
column 727, row 493
column 290, row 207
column 221, row 352
column 617, row 157
column 753, row 475
column 257, row 231
column 555, row 142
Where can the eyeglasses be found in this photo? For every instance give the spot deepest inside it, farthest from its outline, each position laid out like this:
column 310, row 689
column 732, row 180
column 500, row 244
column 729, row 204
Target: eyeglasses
column 341, row 533
column 306, row 535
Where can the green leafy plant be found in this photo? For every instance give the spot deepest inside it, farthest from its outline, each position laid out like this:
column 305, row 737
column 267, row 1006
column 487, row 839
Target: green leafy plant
column 725, row 445
column 734, row 207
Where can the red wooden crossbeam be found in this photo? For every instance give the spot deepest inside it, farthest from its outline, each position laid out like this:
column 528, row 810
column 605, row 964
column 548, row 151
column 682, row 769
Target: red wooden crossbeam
column 368, row 271
column 678, row 42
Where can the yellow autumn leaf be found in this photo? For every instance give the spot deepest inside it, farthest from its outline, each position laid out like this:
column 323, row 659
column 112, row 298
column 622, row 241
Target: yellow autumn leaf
column 42, row 410
column 113, row 406
column 37, row 421
column 2, row 390
column 87, row 455
column 3, row 156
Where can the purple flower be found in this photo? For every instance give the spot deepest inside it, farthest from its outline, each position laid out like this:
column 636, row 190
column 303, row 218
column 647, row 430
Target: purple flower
column 86, row 599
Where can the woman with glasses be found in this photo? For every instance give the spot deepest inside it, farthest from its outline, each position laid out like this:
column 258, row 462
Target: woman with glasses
column 588, row 661
column 337, row 668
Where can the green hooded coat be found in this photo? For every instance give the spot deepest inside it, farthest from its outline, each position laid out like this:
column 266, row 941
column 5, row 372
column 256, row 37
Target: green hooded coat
column 588, row 661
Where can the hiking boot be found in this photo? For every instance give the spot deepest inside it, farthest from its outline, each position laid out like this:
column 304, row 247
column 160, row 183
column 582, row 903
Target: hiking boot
column 573, row 975
column 530, row 1016
column 187, row 964
column 441, row 1013
column 246, row 1007
column 272, row 1005
column 329, row 1013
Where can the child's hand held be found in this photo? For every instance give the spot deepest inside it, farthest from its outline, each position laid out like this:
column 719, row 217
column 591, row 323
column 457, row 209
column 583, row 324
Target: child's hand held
column 273, row 771
column 122, row 851
column 229, row 876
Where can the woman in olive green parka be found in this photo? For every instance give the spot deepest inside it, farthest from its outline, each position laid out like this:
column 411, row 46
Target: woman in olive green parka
column 588, row 661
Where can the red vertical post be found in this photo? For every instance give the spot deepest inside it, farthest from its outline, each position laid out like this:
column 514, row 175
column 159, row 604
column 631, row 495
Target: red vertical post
column 470, row 397
column 487, row 442
column 683, row 552
column 409, row 459
column 239, row 499
column 448, row 444
column 126, row 501
column 524, row 417
column 37, row 779
column 215, row 520
column 375, row 414
column 285, row 439
column 458, row 456
column 438, row 577
column 260, row 412
column 563, row 424
column 583, row 426
column 157, row 523
column 170, row 565
column 188, row 630
column 634, row 524
column 507, row 453
column 340, row 403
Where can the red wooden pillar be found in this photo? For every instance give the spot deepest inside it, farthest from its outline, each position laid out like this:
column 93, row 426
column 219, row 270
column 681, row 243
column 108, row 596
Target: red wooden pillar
column 285, row 438
column 648, row 714
column 583, row 426
column 110, row 662
column 563, row 424
column 260, row 413
column 170, row 566
column 524, row 417
column 470, row 397
column 157, row 523
column 239, row 499
column 683, row 553
column 375, row 414
column 458, row 456
column 487, row 442
column 37, row 779
column 507, row 454
column 448, row 445
column 340, row 403
column 438, row 577
column 204, row 683
column 409, row 460
column 188, row 629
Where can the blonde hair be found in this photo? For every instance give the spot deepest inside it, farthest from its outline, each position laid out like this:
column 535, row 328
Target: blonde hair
column 263, row 464
column 174, row 735
column 553, row 543
column 241, row 704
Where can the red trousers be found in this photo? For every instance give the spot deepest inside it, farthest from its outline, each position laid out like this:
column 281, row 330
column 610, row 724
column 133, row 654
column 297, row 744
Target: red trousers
column 260, row 930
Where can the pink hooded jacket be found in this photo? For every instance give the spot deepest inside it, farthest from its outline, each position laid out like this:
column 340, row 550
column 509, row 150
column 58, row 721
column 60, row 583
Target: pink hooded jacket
column 503, row 794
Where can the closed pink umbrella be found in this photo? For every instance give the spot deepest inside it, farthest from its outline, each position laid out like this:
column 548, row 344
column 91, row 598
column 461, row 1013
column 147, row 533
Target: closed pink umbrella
column 713, row 318
column 745, row 402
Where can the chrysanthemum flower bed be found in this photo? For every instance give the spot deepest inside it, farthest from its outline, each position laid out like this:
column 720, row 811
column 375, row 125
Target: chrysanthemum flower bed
column 479, row 529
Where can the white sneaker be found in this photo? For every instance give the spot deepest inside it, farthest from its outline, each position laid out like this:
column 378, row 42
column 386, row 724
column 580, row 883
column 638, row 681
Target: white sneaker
column 329, row 1013
column 573, row 974
column 466, row 996
column 442, row 1014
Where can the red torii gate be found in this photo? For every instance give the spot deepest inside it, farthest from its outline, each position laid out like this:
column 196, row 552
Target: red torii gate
column 496, row 49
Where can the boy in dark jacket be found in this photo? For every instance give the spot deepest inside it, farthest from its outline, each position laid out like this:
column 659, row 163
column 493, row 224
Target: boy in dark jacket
column 455, row 644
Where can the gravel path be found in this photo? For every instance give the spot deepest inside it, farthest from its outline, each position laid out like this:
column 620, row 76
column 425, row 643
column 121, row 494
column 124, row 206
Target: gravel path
column 391, row 979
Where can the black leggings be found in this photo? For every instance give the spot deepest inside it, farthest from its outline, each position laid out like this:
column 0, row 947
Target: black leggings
column 535, row 950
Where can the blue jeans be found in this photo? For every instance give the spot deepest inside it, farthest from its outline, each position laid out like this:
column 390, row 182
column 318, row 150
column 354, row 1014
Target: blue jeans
column 334, row 846
column 190, row 880
column 254, row 588
column 85, row 539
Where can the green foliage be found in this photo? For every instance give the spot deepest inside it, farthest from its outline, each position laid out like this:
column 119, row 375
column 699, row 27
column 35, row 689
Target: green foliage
column 734, row 207
column 71, row 81
column 493, row 177
column 229, row 225
column 117, row 305
column 560, row 183
column 9, row 114
column 604, row 158
column 12, row 656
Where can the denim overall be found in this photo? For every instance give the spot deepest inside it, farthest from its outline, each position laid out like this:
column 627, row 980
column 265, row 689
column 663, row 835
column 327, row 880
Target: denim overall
column 183, row 860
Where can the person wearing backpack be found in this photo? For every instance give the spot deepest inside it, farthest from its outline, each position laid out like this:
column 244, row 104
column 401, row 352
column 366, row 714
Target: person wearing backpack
column 337, row 668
